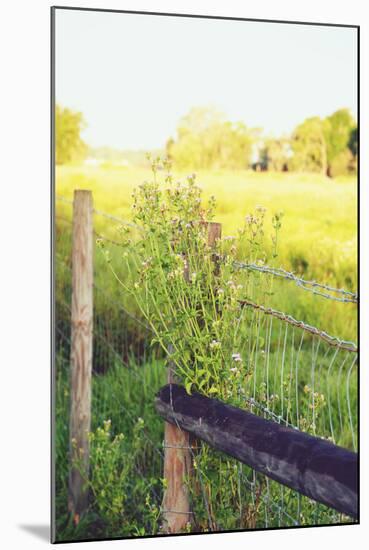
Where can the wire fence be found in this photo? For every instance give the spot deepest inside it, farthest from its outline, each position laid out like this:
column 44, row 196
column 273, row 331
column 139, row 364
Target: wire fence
column 298, row 375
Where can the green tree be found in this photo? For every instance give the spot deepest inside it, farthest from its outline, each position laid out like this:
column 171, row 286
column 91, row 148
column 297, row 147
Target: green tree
column 338, row 129
column 275, row 153
column 206, row 140
column 68, row 143
column 309, row 147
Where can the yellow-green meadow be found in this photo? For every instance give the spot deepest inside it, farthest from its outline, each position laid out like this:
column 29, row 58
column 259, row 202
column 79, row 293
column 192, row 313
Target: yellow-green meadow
column 318, row 239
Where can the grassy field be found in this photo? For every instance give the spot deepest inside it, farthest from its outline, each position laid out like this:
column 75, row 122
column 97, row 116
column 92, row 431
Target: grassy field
column 319, row 226
column 319, row 229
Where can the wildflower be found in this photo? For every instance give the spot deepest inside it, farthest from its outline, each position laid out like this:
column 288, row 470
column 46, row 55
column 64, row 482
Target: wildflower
column 234, row 369
column 231, row 285
column 229, row 238
column 236, row 357
column 214, row 344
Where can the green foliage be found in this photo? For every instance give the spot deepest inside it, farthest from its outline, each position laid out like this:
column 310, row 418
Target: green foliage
column 338, row 129
column 122, row 499
column 112, row 462
column 342, row 163
column 275, row 154
column 325, row 145
column 68, row 143
column 188, row 291
column 309, row 147
column 205, row 140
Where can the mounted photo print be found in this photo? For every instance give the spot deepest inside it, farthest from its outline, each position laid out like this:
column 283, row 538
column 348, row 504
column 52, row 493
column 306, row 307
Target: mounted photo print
column 205, row 311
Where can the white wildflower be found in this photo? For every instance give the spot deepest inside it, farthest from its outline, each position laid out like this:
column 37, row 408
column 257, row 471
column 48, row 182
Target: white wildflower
column 214, row 344
column 229, row 238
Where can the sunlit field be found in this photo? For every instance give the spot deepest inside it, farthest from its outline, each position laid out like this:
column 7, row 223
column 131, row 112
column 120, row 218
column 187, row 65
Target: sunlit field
column 318, row 239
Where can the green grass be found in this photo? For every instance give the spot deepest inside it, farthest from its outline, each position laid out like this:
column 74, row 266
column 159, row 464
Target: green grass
column 123, row 396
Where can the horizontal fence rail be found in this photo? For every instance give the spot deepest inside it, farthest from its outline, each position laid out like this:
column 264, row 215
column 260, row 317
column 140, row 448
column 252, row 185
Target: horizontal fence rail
column 312, row 466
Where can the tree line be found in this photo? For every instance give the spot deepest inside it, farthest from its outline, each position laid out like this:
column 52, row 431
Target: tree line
column 205, row 140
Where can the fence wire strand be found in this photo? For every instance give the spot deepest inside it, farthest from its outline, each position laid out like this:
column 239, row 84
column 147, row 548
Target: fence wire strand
column 311, row 286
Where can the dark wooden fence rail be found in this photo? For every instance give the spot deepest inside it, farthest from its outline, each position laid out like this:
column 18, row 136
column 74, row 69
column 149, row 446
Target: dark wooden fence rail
column 312, row 466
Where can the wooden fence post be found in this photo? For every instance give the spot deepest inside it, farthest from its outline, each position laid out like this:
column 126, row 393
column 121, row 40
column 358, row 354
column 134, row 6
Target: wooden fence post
column 177, row 454
column 81, row 349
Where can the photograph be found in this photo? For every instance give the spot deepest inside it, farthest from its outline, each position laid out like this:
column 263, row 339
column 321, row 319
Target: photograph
column 205, row 320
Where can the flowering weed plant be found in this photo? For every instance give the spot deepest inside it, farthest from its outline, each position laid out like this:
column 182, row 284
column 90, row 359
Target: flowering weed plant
column 189, row 290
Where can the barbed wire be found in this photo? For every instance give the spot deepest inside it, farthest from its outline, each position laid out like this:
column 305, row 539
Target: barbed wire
column 331, row 340
column 311, row 286
column 101, row 213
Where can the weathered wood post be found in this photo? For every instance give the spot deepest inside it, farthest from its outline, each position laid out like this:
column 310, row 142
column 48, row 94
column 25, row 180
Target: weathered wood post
column 81, row 349
column 177, row 454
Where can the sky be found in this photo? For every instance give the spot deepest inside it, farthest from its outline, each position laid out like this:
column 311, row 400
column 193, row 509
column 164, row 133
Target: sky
column 134, row 76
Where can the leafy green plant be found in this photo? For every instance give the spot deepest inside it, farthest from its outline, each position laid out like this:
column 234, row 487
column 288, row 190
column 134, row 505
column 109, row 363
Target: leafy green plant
column 187, row 290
